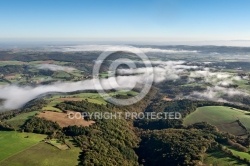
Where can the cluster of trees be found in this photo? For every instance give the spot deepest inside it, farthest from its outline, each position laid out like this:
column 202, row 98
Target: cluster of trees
column 41, row 126
column 184, row 107
column 8, row 69
column 175, row 88
column 5, row 127
column 75, row 130
column 45, row 72
column 110, row 141
column 34, row 105
column 174, row 147
column 157, row 124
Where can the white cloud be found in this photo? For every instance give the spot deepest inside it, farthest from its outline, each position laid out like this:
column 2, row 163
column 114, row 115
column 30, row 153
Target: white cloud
column 54, row 67
column 215, row 93
column 15, row 96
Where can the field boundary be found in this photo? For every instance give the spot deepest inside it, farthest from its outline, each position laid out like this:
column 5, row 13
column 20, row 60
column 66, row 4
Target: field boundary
column 19, row 152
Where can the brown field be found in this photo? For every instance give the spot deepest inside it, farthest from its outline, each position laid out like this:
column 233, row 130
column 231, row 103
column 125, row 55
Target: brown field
column 167, row 98
column 48, row 62
column 63, row 120
column 71, row 99
column 11, row 76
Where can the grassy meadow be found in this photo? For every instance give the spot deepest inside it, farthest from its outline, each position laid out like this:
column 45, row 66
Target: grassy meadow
column 90, row 97
column 222, row 117
column 220, row 158
column 12, row 142
column 19, row 120
column 44, row 154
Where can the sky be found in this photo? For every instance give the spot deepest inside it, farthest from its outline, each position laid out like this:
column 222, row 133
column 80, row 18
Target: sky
column 156, row 20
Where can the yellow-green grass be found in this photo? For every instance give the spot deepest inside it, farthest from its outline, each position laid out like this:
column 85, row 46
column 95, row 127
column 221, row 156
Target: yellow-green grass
column 3, row 63
column 222, row 117
column 77, row 73
column 104, row 75
column 56, row 99
column 243, row 84
column 12, row 142
column 90, row 97
column 58, row 144
column 222, row 159
column 133, row 93
column 51, row 107
column 243, row 155
column 61, row 74
column 44, row 154
column 20, row 119
column 49, row 61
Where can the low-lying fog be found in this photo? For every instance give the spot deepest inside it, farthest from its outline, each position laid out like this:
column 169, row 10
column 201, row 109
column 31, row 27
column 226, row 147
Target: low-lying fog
column 16, row 96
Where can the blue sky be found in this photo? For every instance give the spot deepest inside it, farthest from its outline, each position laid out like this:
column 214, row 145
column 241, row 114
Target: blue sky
column 126, row 19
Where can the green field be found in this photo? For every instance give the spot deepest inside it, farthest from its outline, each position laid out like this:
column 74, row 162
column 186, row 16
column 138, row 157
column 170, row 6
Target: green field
column 90, row 97
column 241, row 154
column 56, row 99
column 61, row 75
column 3, row 63
column 12, row 142
column 44, row 154
column 221, row 159
column 19, row 120
column 222, row 117
column 58, row 144
column 243, row 84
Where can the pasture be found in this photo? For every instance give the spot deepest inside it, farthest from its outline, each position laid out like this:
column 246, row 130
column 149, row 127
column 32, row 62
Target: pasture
column 221, row 159
column 90, row 97
column 20, row 119
column 56, row 99
column 224, row 118
column 44, row 154
column 243, row 155
column 12, row 142
column 4, row 63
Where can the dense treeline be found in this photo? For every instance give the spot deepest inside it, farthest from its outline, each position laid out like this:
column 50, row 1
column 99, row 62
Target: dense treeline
column 174, row 147
column 34, row 105
column 109, row 141
column 75, row 130
column 184, row 107
column 40, row 125
column 9, row 69
column 175, row 88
